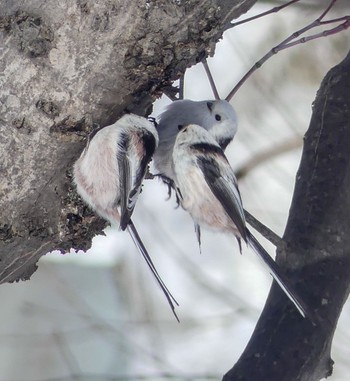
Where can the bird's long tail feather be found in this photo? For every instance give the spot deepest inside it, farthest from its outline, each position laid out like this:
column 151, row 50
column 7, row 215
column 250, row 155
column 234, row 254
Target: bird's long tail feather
column 279, row 276
column 140, row 246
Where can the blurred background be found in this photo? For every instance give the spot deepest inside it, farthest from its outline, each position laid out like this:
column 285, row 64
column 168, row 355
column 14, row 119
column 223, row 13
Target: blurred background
column 99, row 315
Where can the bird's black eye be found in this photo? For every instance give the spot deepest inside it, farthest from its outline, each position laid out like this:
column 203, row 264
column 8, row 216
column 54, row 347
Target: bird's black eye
column 180, row 127
column 218, row 117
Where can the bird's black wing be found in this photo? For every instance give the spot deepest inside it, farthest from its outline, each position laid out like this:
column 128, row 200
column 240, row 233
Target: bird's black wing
column 224, row 188
column 226, row 191
column 124, row 178
column 145, row 143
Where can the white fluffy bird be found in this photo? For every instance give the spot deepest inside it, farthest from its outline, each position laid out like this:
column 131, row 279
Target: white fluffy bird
column 208, row 190
column 109, row 175
column 216, row 116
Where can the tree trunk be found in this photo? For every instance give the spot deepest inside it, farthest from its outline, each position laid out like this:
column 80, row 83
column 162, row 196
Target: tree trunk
column 66, row 65
column 284, row 346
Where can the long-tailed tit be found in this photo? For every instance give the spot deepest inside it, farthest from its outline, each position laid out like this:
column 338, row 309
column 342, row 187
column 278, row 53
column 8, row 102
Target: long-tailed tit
column 218, row 117
column 208, row 190
column 109, row 175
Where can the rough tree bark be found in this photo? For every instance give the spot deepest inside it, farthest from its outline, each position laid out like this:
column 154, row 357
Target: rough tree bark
column 284, row 346
column 64, row 66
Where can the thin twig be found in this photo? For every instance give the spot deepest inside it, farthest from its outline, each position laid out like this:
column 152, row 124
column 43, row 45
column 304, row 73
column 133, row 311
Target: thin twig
column 325, row 33
column 327, row 9
column 294, row 39
column 181, row 87
column 273, row 10
column 264, row 230
column 211, row 79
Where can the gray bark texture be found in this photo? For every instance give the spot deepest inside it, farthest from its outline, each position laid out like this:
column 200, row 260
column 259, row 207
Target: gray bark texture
column 66, row 66
column 316, row 255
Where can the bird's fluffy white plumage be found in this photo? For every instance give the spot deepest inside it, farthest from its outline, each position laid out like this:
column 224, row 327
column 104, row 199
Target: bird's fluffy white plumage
column 97, row 172
column 109, row 175
column 218, row 117
column 192, row 143
column 209, row 192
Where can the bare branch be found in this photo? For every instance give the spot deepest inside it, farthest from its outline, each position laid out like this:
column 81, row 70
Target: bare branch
column 288, row 42
column 325, row 33
column 273, row 10
column 327, row 9
column 263, row 230
column 315, row 255
column 181, row 87
column 211, row 79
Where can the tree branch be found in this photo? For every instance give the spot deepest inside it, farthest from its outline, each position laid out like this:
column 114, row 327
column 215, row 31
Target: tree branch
column 264, row 230
column 211, row 79
column 284, row 346
column 269, row 12
column 67, row 68
column 293, row 40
